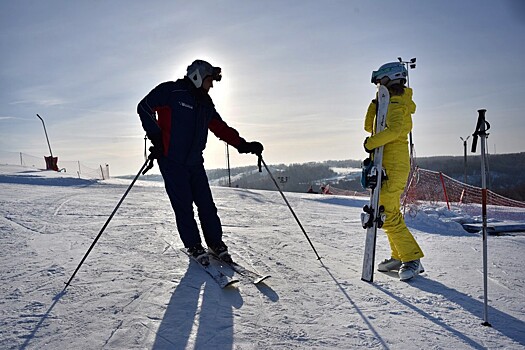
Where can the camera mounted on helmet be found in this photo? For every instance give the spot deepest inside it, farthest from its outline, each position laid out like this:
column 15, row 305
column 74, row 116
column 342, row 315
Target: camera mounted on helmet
column 390, row 73
column 200, row 70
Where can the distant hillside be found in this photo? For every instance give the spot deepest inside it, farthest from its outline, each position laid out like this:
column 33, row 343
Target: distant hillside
column 506, row 175
column 506, row 171
column 292, row 178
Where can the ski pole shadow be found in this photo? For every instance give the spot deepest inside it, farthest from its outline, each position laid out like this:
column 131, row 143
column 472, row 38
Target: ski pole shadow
column 501, row 321
column 354, row 305
column 199, row 314
column 46, row 315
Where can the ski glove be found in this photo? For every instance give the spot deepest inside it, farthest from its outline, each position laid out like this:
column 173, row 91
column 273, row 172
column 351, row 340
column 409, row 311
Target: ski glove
column 366, row 149
column 156, row 139
column 157, row 150
column 155, row 153
column 253, row 147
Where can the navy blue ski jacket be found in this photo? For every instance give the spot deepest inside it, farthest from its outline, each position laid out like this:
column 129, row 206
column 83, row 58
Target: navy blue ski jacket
column 180, row 115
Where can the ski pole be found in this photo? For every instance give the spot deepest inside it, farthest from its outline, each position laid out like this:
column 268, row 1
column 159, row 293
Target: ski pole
column 148, row 164
column 481, row 130
column 261, row 160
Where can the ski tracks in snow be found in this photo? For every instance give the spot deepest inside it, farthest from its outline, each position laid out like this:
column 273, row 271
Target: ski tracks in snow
column 135, row 292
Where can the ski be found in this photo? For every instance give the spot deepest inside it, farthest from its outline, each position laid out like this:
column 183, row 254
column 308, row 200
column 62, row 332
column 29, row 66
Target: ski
column 222, row 280
column 255, row 277
column 372, row 217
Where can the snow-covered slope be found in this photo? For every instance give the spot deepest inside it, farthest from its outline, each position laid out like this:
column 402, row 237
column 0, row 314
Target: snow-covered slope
column 136, row 290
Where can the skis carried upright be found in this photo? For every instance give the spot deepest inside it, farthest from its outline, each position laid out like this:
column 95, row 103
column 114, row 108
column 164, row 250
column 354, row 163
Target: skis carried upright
column 373, row 217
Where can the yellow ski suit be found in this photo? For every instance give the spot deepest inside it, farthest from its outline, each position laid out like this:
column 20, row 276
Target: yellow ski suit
column 396, row 161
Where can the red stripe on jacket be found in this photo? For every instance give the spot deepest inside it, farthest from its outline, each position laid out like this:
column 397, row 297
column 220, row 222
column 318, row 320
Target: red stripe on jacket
column 164, row 122
column 224, row 132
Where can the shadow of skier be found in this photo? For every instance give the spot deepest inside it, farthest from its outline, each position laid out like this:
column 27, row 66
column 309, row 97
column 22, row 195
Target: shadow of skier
column 199, row 314
column 501, row 321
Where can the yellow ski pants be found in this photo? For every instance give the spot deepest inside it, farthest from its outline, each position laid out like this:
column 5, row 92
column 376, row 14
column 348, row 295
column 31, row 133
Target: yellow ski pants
column 403, row 245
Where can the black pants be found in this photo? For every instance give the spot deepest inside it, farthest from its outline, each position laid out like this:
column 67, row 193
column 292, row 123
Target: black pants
column 186, row 185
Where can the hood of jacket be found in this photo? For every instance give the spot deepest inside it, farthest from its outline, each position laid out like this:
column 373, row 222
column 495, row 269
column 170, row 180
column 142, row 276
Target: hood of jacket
column 406, row 99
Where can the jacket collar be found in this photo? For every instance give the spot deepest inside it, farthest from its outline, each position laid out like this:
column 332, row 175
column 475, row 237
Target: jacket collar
column 200, row 95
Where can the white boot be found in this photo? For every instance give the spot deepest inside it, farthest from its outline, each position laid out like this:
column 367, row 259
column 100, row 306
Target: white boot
column 388, row 265
column 410, row 269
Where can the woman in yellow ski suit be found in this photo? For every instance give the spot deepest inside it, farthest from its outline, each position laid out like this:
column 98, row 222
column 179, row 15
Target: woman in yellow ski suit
column 396, row 161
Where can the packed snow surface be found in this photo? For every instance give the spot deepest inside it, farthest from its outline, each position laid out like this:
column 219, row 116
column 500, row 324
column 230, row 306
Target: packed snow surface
column 137, row 290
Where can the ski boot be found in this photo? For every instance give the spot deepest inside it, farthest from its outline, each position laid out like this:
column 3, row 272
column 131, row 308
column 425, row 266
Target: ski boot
column 410, row 269
column 200, row 254
column 388, row 265
column 221, row 251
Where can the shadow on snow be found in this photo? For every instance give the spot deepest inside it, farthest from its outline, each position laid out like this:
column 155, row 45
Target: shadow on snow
column 200, row 312
column 45, row 181
column 500, row 321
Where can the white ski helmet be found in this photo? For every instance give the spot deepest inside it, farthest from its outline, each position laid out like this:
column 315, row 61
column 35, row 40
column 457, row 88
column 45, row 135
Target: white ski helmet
column 199, row 70
column 394, row 71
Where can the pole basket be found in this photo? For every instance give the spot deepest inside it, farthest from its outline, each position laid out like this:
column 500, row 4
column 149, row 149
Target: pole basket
column 51, row 163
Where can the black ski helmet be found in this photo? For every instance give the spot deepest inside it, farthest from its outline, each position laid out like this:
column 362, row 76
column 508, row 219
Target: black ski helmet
column 199, row 70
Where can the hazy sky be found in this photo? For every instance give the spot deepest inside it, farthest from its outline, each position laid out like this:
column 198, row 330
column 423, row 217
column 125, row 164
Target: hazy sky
column 296, row 74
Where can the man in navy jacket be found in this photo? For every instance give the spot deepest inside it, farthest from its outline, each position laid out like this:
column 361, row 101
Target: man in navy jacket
column 176, row 117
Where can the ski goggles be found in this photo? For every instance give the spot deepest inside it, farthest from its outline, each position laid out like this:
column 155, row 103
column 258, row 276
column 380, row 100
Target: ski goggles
column 216, row 74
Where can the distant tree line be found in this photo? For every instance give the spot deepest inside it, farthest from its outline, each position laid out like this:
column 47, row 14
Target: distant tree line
column 505, row 171
column 506, row 176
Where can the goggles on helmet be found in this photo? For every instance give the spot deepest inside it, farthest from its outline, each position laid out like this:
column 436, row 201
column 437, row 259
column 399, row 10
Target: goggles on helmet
column 200, row 70
column 216, row 74
column 392, row 71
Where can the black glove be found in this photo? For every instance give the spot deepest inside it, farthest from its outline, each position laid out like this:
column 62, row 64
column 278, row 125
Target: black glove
column 156, row 139
column 157, row 150
column 253, row 147
column 366, row 149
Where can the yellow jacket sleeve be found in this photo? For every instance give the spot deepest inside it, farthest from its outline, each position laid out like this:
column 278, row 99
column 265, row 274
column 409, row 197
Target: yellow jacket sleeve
column 370, row 117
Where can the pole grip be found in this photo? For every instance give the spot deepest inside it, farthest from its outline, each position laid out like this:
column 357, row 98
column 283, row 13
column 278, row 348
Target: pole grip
column 479, row 130
column 474, row 143
column 481, row 112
